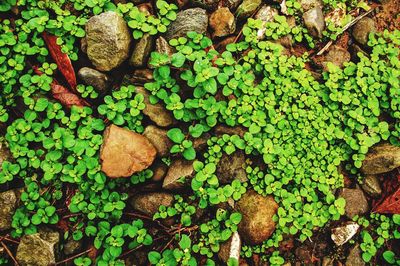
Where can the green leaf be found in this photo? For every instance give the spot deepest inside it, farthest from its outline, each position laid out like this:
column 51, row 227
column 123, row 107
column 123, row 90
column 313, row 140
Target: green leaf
column 154, row 257
column 185, row 242
column 178, row 60
column 176, row 135
column 389, row 256
column 189, row 153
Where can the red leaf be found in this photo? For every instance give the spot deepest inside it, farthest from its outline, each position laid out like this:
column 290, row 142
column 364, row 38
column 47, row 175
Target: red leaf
column 65, row 97
column 62, row 94
column 391, row 204
column 62, row 60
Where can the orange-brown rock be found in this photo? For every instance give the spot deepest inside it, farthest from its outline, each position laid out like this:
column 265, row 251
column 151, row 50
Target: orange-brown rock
column 257, row 211
column 124, row 152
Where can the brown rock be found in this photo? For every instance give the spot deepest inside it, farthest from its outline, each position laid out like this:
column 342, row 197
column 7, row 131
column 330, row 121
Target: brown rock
column 362, row 29
column 372, row 186
column 92, row 77
column 124, row 152
column 141, row 51
column 72, row 246
column 149, row 203
column 8, row 203
column 356, row 203
column 158, row 137
column 108, row 40
column 38, row 249
column 337, row 55
column 257, row 212
column 5, row 154
column 156, row 112
column 222, row 22
column 200, row 143
column 354, row 258
column 231, row 167
column 163, row 47
column 138, row 77
column 178, row 172
column 159, row 171
column 381, row 159
column 223, row 129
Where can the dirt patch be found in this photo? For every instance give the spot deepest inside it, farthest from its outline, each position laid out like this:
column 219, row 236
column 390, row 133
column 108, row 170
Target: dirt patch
column 388, row 16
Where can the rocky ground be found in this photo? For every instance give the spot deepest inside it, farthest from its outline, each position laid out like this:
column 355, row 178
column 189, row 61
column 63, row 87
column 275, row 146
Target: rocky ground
column 109, row 57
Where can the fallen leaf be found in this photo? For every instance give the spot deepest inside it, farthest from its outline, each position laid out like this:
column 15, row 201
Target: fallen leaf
column 62, row 94
column 65, row 97
column 62, row 60
column 391, row 204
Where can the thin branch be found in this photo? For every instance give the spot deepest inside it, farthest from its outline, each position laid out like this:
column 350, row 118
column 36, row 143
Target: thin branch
column 10, row 254
column 347, row 26
column 74, row 257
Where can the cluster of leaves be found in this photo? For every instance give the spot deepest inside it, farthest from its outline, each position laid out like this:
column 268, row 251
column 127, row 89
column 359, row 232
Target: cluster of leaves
column 180, row 207
column 304, row 129
column 123, row 108
column 377, row 231
column 142, row 22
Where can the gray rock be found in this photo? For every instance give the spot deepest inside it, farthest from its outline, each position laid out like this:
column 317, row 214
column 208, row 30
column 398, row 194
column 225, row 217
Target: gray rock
column 230, row 248
column 222, row 22
column 72, row 246
column 381, row 159
column 232, row 4
column 362, row 29
column 8, row 203
column 178, row 173
column 337, row 55
column 257, row 211
column 163, row 47
column 156, row 112
column 372, row 186
column 158, row 137
column 206, row 4
column 149, row 203
column 108, row 40
column 314, row 21
column 356, row 203
column 94, row 78
column 141, row 51
column 265, row 14
column 340, row 235
column 192, row 19
column 38, row 249
column 354, row 258
column 309, row 4
column 247, row 8
column 231, row 167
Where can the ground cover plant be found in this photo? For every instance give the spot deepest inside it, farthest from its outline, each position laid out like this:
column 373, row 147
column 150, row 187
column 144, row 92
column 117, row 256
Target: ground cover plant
column 256, row 140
